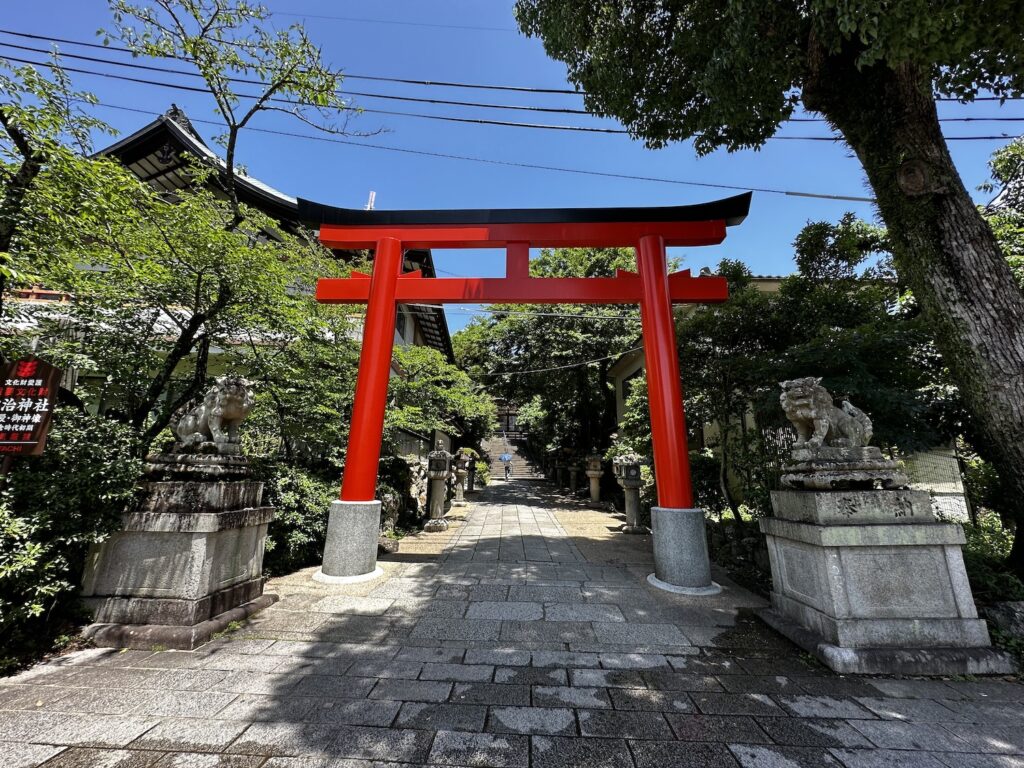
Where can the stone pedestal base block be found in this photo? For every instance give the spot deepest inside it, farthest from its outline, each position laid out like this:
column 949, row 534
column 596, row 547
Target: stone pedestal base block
column 170, row 578
column 435, row 525
column 350, row 551
column 869, row 582
column 681, row 563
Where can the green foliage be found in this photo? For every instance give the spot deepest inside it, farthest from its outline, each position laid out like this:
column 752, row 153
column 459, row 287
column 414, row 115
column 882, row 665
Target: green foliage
column 431, row 393
column 985, row 554
column 483, row 473
column 573, row 405
column 295, row 538
column 51, row 509
column 839, row 316
column 1006, row 217
column 729, row 73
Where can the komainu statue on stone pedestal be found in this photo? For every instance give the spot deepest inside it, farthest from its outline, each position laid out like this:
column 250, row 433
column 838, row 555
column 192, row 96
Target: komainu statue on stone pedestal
column 212, row 425
column 831, row 450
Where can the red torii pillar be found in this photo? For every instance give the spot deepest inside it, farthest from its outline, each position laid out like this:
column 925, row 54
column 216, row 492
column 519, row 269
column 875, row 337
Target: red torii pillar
column 681, row 560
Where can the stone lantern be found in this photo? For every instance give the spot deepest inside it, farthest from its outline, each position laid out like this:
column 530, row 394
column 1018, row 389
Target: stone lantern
column 574, row 471
column 461, row 473
column 594, row 472
column 439, row 466
column 627, row 473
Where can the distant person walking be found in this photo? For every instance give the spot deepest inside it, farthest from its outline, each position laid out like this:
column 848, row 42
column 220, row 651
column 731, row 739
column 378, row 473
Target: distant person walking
column 506, row 459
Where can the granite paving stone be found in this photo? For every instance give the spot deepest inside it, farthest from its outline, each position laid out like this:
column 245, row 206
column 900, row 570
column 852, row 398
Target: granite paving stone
column 646, row 699
column 391, row 744
column 681, row 681
column 498, row 656
column 480, row 749
column 18, row 755
column 893, row 734
column 607, row 678
column 456, row 629
column 736, row 704
column 661, row 754
column 633, row 660
column 441, row 717
column 811, row 732
column 752, row 756
column 190, row 735
column 526, row 636
column 625, row 725
column 720, row 728
column 352, row 712
column 513, row 611
column 330, row 685
column 565, row 659
column 491, row 693
column 570, row 696
column 411, row 690
column 823, row 706
column 548, row 631
column 531, row 676
column 916, row 710
column 565, row 752
column 532, row 720
column 78, row 757
column 582, row 612
column 886, row 758
column 458, row 672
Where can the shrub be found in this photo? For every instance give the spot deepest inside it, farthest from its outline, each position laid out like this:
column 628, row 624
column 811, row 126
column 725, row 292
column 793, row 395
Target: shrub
column 295, row 538
column 51, row 509
column 988, row 545
column 483, row 474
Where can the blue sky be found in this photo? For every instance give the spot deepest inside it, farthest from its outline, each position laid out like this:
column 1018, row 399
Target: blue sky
column 419, row 40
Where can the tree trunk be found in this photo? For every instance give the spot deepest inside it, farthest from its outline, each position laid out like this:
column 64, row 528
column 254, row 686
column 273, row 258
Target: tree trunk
column 943, row 248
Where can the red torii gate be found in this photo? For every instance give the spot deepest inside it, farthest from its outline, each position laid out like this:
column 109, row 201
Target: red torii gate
column 390, row 233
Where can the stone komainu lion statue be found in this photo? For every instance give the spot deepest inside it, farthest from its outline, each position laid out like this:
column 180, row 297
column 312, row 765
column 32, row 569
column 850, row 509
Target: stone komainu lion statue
column 217, row 418
column 818, row 422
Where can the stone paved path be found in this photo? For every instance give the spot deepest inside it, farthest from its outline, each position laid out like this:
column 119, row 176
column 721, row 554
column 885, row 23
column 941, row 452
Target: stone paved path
column 525, row 637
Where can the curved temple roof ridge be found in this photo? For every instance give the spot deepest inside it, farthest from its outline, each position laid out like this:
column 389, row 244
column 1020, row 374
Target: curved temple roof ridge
column 732, row 210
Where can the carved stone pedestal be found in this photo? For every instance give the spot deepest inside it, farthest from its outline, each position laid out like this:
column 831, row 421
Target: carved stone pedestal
column 869, row 582
column 187, row 562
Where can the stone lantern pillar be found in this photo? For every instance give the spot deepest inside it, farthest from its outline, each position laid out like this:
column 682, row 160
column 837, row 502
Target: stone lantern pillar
column 627, row 474
column 574, row 472
column 461, row 473
column 594, row 472
column 439, row 466
column 471, row 477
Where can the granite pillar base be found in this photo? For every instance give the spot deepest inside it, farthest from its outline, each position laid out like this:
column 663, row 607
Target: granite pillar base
column 350, row 552
column 681, row 563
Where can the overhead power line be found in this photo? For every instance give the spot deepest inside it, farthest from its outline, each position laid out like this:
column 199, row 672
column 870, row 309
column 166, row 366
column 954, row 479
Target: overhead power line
column 516, row 164
column 561, row 367
column 359, row 20
column 293, row 102
column 444, row 118
column 346, row 75
column 246, row 81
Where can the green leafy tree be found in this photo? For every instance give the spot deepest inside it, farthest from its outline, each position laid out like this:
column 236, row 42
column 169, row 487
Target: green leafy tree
column 44, row 126
column 530, row 355
column 430, row 393
column 728, row 74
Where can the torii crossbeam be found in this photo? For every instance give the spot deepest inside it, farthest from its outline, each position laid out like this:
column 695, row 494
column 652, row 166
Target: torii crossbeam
column 390, row 233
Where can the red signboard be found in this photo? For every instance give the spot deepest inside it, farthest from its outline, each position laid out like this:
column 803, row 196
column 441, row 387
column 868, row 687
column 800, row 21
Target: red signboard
column 28, row 392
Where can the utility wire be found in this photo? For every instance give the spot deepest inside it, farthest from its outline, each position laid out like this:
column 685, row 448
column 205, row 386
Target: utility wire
column 445, row 118
column 431, row 83
column 515, row 164
column 395, row 22
column 246, row 81
column 560, row 367
column 413, row 99
column 530, row 312
column 375, row 78
column 294, row 102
